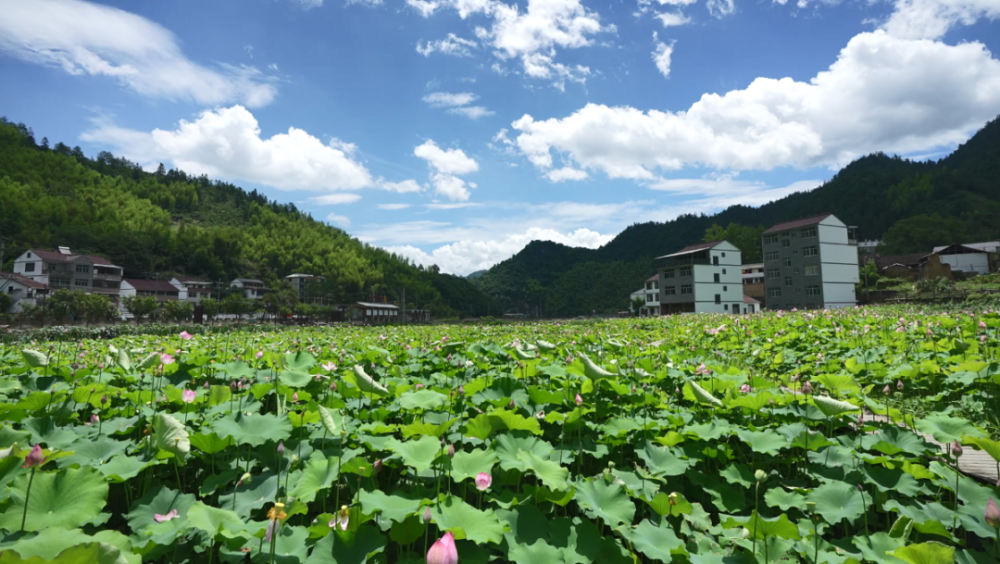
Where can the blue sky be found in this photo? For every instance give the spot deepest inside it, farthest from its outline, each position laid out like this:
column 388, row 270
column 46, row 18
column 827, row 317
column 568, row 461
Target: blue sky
column 455, row 131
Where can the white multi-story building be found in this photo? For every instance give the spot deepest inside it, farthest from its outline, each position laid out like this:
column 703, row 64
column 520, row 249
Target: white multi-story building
column 252, row 289
column 191, row 289
column 307, row 286
column 702, row 278
column 810, row 263
column 64, row 270
column 650, row 296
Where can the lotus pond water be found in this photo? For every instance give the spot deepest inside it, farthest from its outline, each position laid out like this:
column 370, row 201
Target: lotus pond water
column 779, row 437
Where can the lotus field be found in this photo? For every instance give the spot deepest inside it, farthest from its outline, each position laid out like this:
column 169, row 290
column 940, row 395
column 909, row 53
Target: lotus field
column 778, row 437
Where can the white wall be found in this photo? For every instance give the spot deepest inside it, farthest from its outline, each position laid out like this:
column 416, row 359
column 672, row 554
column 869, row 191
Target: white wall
column 838, row 295
column 839, row 273
column 978, row 262
column 843, row 254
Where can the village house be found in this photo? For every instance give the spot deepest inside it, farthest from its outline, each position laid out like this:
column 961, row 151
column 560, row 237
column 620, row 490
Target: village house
column 650, row 296
column 191, row 289
column 22, row 290
column 702, row 278
column 307, row 286
column 63, row 270
column 810, row 263
column 252, row 289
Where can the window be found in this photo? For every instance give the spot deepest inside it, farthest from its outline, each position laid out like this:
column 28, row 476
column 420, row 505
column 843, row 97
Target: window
column 812, row 270
column 686, row 271
column 772, row 255
column 651, row 298
column 718, row 298
column 668, row 273
column 770, row 239
column 774, row 273
column 726, row 307
column 669, row 291
column 810, row 251
column 808, row 232
column 79, row 282
column 813, row 291
column 786, row 243
column 788, row 280
column 787, row 261
column 725, row 288
column 723, row 254
column 715, row 260
column 29, row 267
column 774, row 293
column 686, row 289
column 715, row 277
column 723, row 270
column 82, row 268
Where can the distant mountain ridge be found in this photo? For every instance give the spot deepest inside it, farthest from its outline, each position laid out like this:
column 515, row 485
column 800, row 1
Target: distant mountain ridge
column 910, row 205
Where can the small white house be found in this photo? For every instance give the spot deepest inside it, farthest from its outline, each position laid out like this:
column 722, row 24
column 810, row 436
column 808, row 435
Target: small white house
column 22, row 290
column 971, row 260
column 702, row 278
column 191, row 289
column 650, row 296
column 251, row 288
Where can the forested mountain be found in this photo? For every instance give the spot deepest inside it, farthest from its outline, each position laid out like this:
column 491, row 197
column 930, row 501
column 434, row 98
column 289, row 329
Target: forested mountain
column 910, row 205
column 168, row 222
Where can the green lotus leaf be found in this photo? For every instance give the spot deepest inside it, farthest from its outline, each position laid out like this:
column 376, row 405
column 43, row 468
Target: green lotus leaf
column 419, row 454
column 946, row 429
column 832, row 407
column 467, row 522
column 395, row 507
column 122, row 468
column 59, row 545
column 254, row 429
column 523, row 355
column 423, row 399
column 408, row 530
column 764, row 528
column 213, row 520
column 509, row 447
column 894, row 440
column 329, row 423
column 551, row 473
column 545, row 345
column 209, row 443
column 709, row 431
column 702, row 395
column 93, row 451
column 295, row 378
column 171, row 435
column 526, row 522
column 34, row 359
column 767, row 441
column 151, row 360
column 926, row 553
column 785, row 499
column 367, row 384
column 68, row 498
column 604, row 501
column 346, row 547
column 538, row 552
column 836, row 501
column 468, row 464
column 877, row 546
column 319, row 473
column 503, row 419
column 592, row 370
column 158, row 502
column 661, row 503
column 299, row 361
column 124, row 361
column 888, row 480
column 251, row 496
column 664, row 461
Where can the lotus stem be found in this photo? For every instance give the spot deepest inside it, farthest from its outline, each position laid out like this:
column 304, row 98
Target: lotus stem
column 27, row 496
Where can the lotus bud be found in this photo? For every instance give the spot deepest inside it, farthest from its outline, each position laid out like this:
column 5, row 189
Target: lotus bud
column 281, row 448
column 992, row 514
column 94, row 418
column 427, row 515
column 246, row 478
column 887, row 390
column 104, row 398
column 745, row 533
column 35, row 458
column 511, row 404
column 579, row 399
column 333, row 386
column 760, row 475
column 483, row 481
column 451, row 451
column 672, row 498
column 956, row 449
column 443, row 551
column 899, row 385
column 377, row 467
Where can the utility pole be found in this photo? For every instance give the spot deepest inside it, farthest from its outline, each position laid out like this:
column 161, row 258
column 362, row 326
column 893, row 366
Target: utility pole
column 403, row 312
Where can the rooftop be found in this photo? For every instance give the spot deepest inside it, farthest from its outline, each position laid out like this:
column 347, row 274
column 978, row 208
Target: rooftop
column 22, row 280
column 151, row 285
column 191, row 280
column 804, row 222
column 60, row 256
column 692, row 249
column 653, row 278
column 384, row 306
column 748, row 300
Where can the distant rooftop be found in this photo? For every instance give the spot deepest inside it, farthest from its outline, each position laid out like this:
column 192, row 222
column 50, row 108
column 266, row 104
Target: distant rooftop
column 692, row 249
column 151, row 285
column 804, row 222
column 23, row 280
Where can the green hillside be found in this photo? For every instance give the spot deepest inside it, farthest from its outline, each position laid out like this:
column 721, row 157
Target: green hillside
column 910, row 205
column 168, row 222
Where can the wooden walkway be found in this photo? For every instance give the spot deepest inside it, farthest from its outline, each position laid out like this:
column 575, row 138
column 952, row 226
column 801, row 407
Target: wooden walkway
column 975, row 463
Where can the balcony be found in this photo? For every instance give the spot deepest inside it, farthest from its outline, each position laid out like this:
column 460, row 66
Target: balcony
column 684, row 261
column 107, row 276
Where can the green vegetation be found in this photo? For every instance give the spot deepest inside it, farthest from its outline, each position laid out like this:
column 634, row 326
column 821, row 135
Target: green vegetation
column 911, row 205
column 160, row 224
column 679, row 439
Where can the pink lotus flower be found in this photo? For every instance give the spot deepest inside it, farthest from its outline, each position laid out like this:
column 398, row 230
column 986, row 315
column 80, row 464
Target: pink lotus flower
column 982, row 325
column 95, row 419
column 172, row 514
column 186, row 336
column 745, row 388
column 329, row 366
column 35, row 458
column 259, row 354
column 887, row 390
column 579, row 399
column 992, row 514
column 272, row 527
column 807, row 388
column 188, row 396
column 166, row 359
column 899, row 384
column 483, row 481
column 342, row 519
column 443, row 551
column 427, row 515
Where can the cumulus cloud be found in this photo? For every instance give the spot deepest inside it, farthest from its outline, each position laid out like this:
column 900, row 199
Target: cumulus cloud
column 720, row 8
column 92, row 39
column 446, row 161
column 226, row 143
column 450, row 186
column 661, row 56
column 531, row 36
column 931, row 19
column 310, row 4
column 883, row 93
column 336, row 199
column 671, row 19
column 566, row 173
column 451, row 45
column 457, row 103
column 464, row 257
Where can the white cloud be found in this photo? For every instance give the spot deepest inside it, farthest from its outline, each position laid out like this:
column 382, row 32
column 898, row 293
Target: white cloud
column 566, row 173
column 645, row 4
column 531, row 36
column 93, row 39
column 464, row 257
column 472, row 112
column 336, row 199
column 931, row 19
column 456, row 206
column 451, row 45
column 449, row 99
column 341, row 220
column 450, row 186
column 882, row 94
column 226, row 143
column 669, row 19
column 393, row 207
column 446, row 161
column 403, row 187
column 661, row 56
column 720, row 8
column 310, row 4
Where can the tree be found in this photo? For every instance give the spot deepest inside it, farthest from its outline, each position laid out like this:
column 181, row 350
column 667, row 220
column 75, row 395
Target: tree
column 178, row 310
column 212, row 308
column 6, row 302
column 140, row 306
column 746, row 239
column 281, row 300
column 95, row 307
column 921, row 233
column 637, row 304
column 237, row 304
column 66, row 303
